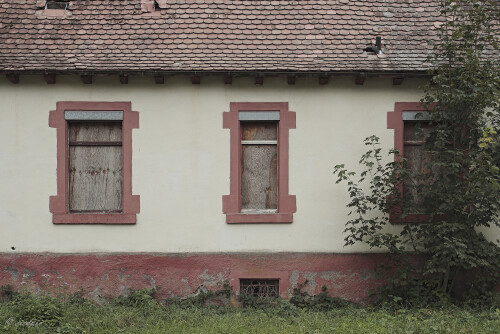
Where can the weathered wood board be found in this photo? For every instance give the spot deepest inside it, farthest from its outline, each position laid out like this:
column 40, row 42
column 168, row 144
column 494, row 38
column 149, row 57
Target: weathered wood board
column 416, row 160
column 95, row 132
column 259, row 131
column 95, row 171
column 259, row 173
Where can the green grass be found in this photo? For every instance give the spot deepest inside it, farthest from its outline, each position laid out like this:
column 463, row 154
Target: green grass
column 53, row 316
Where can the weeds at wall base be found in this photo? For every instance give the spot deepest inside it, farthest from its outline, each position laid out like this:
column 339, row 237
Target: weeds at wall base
column 204, row 297
column 137, row 312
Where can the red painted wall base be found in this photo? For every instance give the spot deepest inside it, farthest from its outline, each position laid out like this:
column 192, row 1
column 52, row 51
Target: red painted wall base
column 349, row 276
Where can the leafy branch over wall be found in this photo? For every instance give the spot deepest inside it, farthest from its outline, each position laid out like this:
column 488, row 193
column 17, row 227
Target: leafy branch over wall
column 457, row 192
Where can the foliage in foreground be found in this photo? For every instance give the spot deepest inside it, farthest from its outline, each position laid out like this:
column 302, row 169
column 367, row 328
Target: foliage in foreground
column 456, row 191
column 136, row 313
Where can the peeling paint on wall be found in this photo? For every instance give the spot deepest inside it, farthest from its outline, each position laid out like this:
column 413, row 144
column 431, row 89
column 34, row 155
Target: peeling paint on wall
column 13, row 272
column 347, row 276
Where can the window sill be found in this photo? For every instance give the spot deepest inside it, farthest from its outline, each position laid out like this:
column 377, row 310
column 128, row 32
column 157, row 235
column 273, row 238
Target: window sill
column 258, row 218
column 258, row 211
column 83, row 218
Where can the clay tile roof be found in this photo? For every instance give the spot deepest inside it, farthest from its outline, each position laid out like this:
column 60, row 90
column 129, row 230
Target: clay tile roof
column 216, row 35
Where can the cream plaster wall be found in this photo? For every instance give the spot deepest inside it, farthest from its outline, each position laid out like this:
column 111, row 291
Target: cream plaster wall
column 181, row 162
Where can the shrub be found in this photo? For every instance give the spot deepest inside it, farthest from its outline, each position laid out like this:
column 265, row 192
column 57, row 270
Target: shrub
column 322, row 302
column 136, row 298
column 42, row 310
column 204, row 297
column 457, row 191
column 7, row 292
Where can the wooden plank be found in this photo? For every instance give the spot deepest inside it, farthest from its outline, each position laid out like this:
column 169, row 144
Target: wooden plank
column 410, row 132
column 416, row 131
column 95, row 174
column 95, row 143
column 95, row 132
column 259, row 176
column 413, row 152
column 259, row 130
column 259, row 142
column 414, row 157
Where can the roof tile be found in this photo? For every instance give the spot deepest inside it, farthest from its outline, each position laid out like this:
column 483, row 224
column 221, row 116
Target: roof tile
column 222, row 35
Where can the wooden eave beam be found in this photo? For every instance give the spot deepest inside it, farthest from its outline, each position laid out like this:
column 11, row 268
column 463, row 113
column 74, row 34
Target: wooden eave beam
column 359, row 79
column 323, row 79
column 159, row 79
column 86, row 79
column 50, row 78
column 123, row 79
column 13, row 77
column 396, row 81
column 195, row 79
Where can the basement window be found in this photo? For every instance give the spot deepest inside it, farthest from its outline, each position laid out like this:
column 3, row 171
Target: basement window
column 259, row 288
column 57, row 4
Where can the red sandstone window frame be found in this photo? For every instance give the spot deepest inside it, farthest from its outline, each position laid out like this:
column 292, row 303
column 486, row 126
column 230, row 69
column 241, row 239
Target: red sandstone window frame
column 395, row 121
column 59, row 204
column 231, row 204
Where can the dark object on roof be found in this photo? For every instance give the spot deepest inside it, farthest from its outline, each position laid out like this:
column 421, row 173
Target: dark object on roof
column 377, row 48
column 316, row 36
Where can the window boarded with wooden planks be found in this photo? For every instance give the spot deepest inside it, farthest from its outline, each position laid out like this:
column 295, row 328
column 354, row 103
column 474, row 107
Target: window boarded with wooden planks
column 259, row 166
column 416, row 159
column 95, row 166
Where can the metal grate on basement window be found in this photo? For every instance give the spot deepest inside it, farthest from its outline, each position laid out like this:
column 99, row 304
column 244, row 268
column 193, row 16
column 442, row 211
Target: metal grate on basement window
column 57, row 4
column 259, row 288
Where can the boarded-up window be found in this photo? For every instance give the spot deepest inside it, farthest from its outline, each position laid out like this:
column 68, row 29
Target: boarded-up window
column 95, row 166
column 259, row 288
column 416, row 158
column 259, row 166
